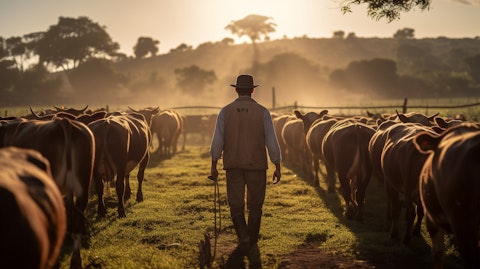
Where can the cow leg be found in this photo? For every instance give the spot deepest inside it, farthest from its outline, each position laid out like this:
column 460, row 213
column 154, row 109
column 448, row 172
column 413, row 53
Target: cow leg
column 99, row 188
column 330, row 178
column 120, row 188
column 360, row 197
column 346, row 193
column 128, row 190
column 409, row 219
column 438, row 243
column 418, row 225
column 316, row 167
column 395, row 210
column 140, row 177
column 466, row 233
column 78, row 228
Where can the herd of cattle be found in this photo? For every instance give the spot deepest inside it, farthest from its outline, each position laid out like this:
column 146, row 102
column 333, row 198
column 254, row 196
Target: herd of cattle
column 429, row 160
column 77, row 149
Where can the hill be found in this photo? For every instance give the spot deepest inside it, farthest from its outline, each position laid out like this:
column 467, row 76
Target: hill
column 298, row 68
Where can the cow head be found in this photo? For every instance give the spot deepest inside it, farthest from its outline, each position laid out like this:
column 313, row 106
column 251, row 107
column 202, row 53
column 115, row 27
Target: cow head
column 309, row 117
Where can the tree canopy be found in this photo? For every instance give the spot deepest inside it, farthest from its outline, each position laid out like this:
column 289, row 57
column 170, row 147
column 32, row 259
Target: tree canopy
column 253, row 26
column 145, row 46
column 386, row 9
column 72, row 41
column 193, row 79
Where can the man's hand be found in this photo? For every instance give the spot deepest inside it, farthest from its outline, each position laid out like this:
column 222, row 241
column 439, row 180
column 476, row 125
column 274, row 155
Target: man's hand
column 277, row 174
column 213, row 171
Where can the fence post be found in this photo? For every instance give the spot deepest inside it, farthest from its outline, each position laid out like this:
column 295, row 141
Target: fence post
column 273, row 98
column 404, row 107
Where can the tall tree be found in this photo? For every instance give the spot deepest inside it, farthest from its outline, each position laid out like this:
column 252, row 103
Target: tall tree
column 385, row 9
column 253, row 26
column 145, row 46
column 72, row 41
column 16, row 49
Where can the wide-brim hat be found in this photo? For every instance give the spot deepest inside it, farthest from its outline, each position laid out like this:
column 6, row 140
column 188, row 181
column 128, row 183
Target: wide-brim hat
column 244, row 82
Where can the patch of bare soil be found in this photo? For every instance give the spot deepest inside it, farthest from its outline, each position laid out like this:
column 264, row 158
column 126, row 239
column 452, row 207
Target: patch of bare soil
column 308, row 255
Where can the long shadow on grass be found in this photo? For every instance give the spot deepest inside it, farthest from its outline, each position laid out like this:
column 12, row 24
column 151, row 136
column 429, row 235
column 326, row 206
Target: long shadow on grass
column 372, row 234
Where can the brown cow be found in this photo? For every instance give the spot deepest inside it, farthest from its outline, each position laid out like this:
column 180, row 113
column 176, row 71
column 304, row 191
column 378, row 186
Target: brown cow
column 314, row 139
column 166, row 126
column 450, row 190
column 345, row 149
column 69, row 147
column 299, row 155
column 308, row 119
column 33, row 215
column 122, row 143
column 278, row 123
column 401, row 165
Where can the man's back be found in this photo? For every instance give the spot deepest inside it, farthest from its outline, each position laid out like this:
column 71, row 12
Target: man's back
column 244, row 135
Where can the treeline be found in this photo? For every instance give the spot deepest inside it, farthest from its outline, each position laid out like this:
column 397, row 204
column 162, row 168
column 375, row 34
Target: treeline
column 76, row 61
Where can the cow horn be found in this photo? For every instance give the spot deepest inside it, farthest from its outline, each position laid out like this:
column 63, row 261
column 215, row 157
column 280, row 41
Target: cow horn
column 34, row 114
column 132, row 109
column 83, row 110
column 57, row 108
column 431, row 118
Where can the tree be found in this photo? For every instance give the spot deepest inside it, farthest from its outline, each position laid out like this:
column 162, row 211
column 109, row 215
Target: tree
column 181, row 47
column 228, row 41
column 145, row 46
column 193, row 79
column 16, row 49
column 385, row 9
column 72, row 41
column 97, row 79
column 474, row 67
column 405, row 33
column 253, row 26
column 376, row 76
column 338, row 34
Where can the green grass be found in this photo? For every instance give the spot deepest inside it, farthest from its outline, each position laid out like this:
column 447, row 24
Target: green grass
column 164, row 231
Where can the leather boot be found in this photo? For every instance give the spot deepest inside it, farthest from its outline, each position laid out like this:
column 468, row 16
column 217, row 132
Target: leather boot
column 254, row 220
column 242, row 233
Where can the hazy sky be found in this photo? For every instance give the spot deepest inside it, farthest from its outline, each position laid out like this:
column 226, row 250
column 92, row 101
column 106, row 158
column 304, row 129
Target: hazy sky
column 193, row 22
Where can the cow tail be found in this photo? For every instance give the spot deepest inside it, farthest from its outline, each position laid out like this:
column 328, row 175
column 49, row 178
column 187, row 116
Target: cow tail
column 355, row 172
column 108, row 158
column 67, row 153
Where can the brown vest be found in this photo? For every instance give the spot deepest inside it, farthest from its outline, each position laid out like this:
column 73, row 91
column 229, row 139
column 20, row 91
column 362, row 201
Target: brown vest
column 244, row 145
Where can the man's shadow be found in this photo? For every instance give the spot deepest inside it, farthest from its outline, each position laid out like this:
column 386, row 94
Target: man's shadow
column 236, row 259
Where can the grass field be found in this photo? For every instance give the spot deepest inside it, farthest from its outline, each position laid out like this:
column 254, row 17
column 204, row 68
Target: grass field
column 164, row 231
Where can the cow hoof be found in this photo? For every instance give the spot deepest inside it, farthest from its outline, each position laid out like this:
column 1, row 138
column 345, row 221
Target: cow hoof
column 76, row 261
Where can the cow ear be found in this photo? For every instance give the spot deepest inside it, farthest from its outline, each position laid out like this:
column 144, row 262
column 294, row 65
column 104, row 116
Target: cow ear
column 298, row 114
column 441, row 122
column 403, row 118
column 323, row 113
column 426, row 142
